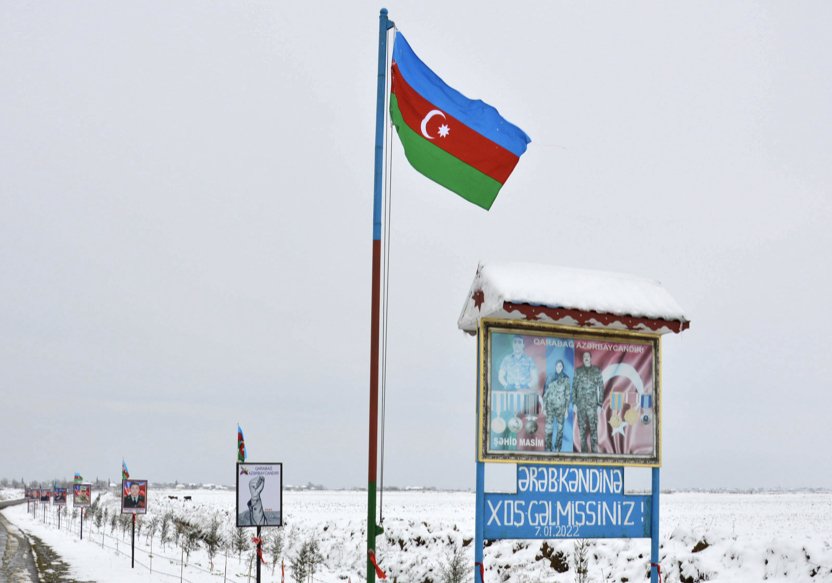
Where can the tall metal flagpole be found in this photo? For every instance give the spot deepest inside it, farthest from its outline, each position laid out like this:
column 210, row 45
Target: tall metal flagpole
column 384, row 25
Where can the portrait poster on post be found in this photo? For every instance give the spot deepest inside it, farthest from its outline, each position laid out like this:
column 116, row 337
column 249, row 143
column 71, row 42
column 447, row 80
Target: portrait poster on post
column 259, row 494
column 555, row 394
column 45, row 495
column 81, row 495
column 59, row 497
column 134, row 496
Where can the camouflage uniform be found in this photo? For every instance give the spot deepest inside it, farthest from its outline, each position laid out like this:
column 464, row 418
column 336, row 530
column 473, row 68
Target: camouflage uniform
column 555, row 403
column 517, row 371
column 588, row 395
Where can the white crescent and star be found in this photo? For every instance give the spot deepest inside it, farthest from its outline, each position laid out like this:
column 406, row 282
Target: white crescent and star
column 444, row 130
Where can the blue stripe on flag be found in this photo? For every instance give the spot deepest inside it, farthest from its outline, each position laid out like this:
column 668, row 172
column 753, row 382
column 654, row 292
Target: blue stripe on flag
column 476, row 114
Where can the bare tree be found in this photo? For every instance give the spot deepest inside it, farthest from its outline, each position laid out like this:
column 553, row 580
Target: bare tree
column 455, row 568
column 239, row 541
column 213, row 540
column 164, row 529
column 189, row 538
column 306, row 562
column 274, row 546
column 580, row 558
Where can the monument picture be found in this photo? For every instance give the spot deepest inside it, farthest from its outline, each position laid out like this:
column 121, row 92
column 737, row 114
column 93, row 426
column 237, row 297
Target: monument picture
column 259, row 494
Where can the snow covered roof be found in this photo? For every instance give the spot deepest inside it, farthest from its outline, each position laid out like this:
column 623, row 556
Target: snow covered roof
column 577, row 297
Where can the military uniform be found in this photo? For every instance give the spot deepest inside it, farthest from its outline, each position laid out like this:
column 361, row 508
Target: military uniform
column 588, row 395
column 517, row 372
column 555, row 404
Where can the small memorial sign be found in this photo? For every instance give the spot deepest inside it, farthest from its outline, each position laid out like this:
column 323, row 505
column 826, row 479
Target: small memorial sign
column 81, row 495
column 259, row 494
column 59, row 497
column 134, row 496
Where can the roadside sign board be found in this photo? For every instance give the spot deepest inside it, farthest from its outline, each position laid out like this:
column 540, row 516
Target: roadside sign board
column 81, row 495
column 134, row 496
column 567, row 502
column 259, row 494
column 555, row 395
column 59, row 496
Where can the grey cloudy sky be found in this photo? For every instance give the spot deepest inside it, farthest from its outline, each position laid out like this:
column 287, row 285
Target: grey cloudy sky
column 185, row 225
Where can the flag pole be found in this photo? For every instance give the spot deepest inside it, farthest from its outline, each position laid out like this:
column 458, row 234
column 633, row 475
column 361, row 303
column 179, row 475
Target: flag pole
column 372, row 528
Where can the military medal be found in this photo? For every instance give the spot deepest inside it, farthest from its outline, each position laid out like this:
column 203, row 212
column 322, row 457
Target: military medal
column 646, row 403
column 498, row 424
column 631, row 416
column 617, row 405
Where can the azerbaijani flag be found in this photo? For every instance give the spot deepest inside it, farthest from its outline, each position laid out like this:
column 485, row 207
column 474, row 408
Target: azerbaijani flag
column 124, row 473
column 463, row 144
column 78, row 478
column 241, row 445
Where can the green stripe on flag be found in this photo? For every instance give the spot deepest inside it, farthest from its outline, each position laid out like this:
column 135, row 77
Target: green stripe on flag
column 442, row 167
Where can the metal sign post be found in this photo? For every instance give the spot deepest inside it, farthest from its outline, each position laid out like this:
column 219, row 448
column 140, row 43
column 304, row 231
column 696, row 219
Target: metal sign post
column 133, row 544
column 259, row 552
column 654, row 542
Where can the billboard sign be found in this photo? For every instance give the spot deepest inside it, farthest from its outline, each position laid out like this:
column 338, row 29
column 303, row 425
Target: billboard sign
column 134, row 496
column 561, row 395
column 81, row 495
column 59, row 497
column 567, row 502
column 259, row 494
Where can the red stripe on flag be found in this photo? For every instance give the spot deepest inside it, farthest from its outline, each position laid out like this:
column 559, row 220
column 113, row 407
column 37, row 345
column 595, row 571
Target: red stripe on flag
column 459, row 140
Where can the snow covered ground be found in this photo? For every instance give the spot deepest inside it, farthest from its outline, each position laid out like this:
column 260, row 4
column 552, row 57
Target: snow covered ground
column 718, row 537
column 10, row 493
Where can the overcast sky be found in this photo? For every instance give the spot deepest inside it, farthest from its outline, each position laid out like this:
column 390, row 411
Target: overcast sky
column 185, row 227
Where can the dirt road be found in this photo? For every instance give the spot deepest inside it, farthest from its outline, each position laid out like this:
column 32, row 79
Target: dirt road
column 16, row 561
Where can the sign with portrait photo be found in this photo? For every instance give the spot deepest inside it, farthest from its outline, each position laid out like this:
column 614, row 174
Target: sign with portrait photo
column 134, row 496
column 555, row 394
column 59, row 496
column 259, row 494
column 81, row 495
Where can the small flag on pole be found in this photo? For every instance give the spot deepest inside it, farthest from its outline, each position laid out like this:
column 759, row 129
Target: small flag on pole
column 78, row 478
column 241, row 445
column 462, row 144
column 125, row 474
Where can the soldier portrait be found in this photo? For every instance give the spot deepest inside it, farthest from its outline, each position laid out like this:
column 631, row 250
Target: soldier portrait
column 588, row 396
column 134, row 496
column 550, row 393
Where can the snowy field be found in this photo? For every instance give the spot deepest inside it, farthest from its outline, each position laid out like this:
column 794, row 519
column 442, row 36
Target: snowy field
column 714, row 537
column 10, row 493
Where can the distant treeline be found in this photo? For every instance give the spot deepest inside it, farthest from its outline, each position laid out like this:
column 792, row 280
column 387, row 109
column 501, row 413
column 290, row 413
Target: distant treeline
column 59, row 482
